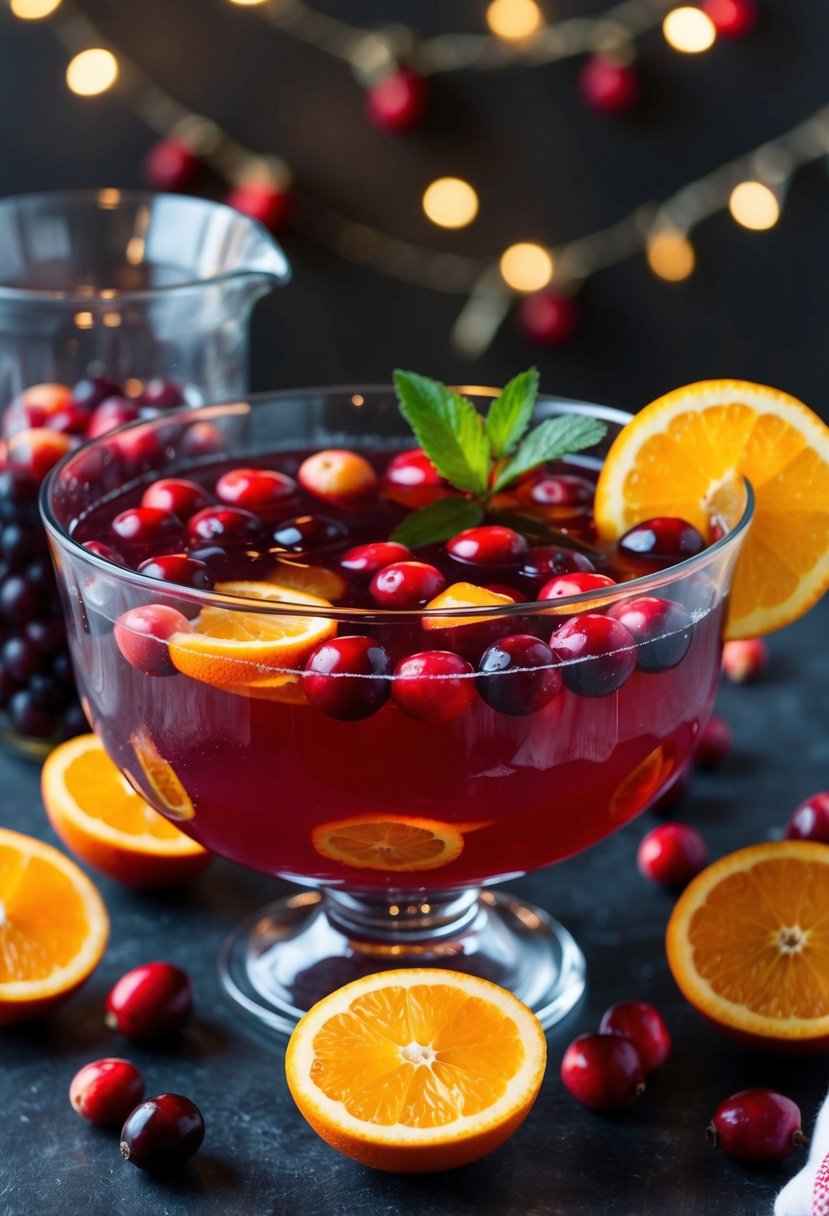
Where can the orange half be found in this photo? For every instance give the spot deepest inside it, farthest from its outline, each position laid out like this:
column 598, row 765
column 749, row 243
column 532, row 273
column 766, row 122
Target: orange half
column 748, row 944
column 686, row 454
column 417, row 1069
column 388, row 842
column 53, row 927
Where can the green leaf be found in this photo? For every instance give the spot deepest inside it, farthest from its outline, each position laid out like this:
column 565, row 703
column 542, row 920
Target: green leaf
column 448, row 428
column 553, row 439
column 439, row 521
column 509, row 416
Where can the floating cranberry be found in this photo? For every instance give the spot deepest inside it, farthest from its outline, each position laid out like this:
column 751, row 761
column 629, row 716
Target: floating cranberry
column 810, row 820
column 162, row 1133
column 306, row 533
column 663, row 540
column 366, row 560
column 433, row 686
column 398, row 101
column 88, row 394
column 112, row 412
column 141, row 635
column 105, row 551
column 264, row 202
column 603, row 1071
column 608, row 86
column 580, row 582
column 105, row 1091
column 548, row 319
column 518, row 675
column 546, row 561
column 176, row 494
column 411, row 479
column 644, row 1026
column 161, row 395
column 146, row 526
column 347, row 677
column 258, row 490
column 662, row 630
column 181, row 569
column 744, row 659
column 150, row 1002
column 757, row 1125
column 228, row 525
column 171, row 165
column 713, row 744
column 337, row 475
column 672, row 854
column 597, row 654
column 562, row 490
column 406, row 585
column 491, row 545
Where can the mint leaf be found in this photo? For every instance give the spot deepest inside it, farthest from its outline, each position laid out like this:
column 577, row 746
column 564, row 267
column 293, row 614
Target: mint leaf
column 439, row 521
column 551, row 440
column 509, row 416
column 448, row 428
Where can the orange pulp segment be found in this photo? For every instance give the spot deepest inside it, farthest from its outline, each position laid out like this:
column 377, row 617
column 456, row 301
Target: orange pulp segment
column 463, row 595
column 388, row 842
column 748, row 943
column 686, row 454
column 417, row 1069
column 311, row 580
column 53, row 927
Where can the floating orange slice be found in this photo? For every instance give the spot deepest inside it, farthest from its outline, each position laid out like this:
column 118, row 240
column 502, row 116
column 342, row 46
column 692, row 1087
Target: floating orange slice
column 107, row 824
column 463, row 595
column 416, row 1070
column 230, row 647
column 53, row 927
column 686, row 454
column 168, row 792
column 312, row 580
column 748, row 944
column 388, row 842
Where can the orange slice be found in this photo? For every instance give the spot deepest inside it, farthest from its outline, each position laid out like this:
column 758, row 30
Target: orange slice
column 230, row 647
column 686, row 454
column 53, row 927
column 388, row 842
column 312, row 580
column 463, row 595
column 416, row 1070
column 168, row 792
column 97, row 814
column 748, row 944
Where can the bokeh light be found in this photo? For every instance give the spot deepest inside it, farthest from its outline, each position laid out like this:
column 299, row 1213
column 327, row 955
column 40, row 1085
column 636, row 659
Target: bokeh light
column 754, row 206
column 526, row 267
column 514, row 19
column 671, row 256
column 92, row 71
column 33, row 10
column 450, row 202
column 689, row 30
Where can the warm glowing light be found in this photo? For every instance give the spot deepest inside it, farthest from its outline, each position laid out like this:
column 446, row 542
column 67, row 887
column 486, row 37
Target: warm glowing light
column 33, row 10
column 671, row 256
column 689, row 30
column 526, row 267
column 92, row 72
column 247, row 2
column 754, row 206
column 450, row 202
column 84, row 320
column 514, row 19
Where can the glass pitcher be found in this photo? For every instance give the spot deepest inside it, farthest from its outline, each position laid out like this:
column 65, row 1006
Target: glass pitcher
column 113, row 305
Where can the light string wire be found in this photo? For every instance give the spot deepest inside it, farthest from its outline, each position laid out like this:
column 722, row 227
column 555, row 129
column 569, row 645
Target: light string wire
column 489, row 298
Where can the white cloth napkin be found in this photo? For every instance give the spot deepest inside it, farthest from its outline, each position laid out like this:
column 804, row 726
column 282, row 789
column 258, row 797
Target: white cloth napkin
column 796, row 1197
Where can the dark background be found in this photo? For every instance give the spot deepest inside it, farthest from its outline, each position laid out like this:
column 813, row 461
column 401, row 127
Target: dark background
column 546, row 168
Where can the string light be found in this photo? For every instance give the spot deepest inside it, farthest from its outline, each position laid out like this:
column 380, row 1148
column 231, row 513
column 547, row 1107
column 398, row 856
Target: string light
column 670, row 256
column 689, row 30
column 754, row 205
column 92, row 72
column 526, row 267
column 33, row 10
column 450, row 202
column 249, row 3
column 514, row 20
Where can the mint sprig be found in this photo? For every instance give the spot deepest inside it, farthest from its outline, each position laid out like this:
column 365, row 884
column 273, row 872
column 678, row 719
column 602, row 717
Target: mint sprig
column 480, row 456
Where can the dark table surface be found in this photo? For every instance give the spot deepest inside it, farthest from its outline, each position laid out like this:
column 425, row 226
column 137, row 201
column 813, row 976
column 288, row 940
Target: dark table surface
column 260, row 1157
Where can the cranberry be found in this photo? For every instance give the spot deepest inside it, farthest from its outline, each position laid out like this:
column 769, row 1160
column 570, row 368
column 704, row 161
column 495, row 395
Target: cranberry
column 672, row 854
column 597, row 654
column 48, row 635
column 141, row 635
column 162, row 1133
column 225, row 524
column 105, row 551
column 150, row 1002
column 411, row 479
column 105, row 1091
column 347, row 677
column 713, row 743
column 161, row 395
column 146, row 525
column 202, row 439
column 184, row 498
column 578, row 583
column 546, row 561
column 663, row 539
column 18, row 490
column 562, row 490
column 337, row 475
column 603, row 1071
column 491, row 545
column 234, row 562
column 29, row 718
column 37, row 406
column 258, row 490
column 19, row 600
column 38, row 449
column 71, row 421
column 518, row 676
column 366, row 560
column 433, row 686
column 757, row 1125
column 181, row 569
column 20, row 658
column 307, row 532
column 406, row 585
column 661, row 628
column 88, row 394
column 112, row 412
column 398, row 101
column 744, row 659
column 810, row 820
column 644, row 1026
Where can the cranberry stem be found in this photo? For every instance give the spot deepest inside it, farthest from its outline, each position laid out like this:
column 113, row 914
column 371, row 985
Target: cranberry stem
column 800, row 1139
